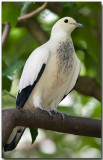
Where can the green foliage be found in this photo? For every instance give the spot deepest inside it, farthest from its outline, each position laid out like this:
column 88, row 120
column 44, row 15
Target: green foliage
column 34, row 133
column 87, row 42
column 68, row 9
column 93, row 6
column 6, row 83
column 25, row 6
column 10, row 13
column 16, row 65
column 8, row 100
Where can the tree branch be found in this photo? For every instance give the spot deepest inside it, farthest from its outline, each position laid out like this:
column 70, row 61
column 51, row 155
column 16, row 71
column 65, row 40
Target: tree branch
column 5, row 32
column 29, row 15
column 88, row 86
column 38, row 119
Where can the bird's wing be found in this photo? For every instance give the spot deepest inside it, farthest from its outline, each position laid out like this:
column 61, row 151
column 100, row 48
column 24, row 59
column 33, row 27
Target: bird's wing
column 74, row 79
column 33, row 70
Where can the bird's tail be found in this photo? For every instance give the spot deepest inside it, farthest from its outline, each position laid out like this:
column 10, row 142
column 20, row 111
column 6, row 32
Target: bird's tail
column 14, row 138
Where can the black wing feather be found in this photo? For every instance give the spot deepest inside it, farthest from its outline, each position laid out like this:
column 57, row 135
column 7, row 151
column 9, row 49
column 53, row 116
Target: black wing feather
column 25, row 92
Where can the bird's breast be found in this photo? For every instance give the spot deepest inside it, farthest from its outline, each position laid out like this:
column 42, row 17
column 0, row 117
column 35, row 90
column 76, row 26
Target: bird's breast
column 64, row 56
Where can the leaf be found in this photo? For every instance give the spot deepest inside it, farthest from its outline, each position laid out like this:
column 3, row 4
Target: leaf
column 8, row 100
column 97, row 112
column 15, row 66
column 10, row 13
column 3, row 64
column 34, row 133
column 94, row 6
column 25, row 6
column 6, row 83
column 68, row 9
column 19, row 46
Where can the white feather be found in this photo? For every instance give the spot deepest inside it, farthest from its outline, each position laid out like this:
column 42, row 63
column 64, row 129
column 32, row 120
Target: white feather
column 32, row 67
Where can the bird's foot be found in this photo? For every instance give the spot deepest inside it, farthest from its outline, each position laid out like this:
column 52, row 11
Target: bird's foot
column 56, row 111
column 47, row 110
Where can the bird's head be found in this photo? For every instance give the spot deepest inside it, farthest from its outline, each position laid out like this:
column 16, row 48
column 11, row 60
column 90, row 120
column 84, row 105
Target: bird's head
column 66, row 24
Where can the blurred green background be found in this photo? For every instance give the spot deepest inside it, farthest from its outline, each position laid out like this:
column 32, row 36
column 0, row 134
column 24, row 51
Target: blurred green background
column 27, row 35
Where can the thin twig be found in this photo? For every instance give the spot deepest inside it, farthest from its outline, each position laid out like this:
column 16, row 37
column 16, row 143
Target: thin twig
column 29, row 15
column 5, row 32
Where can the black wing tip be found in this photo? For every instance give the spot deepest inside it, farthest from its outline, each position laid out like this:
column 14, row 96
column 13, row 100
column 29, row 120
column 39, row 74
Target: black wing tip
column 9, row 147
column 24, row 94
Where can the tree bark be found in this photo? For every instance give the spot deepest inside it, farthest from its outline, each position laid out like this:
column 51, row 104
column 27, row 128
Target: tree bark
column 40, row 119
column 88, row 86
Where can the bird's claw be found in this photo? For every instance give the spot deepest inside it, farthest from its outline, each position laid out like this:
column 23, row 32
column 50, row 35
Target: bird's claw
column 52, row 110
column 47, row 110
column 56, row 111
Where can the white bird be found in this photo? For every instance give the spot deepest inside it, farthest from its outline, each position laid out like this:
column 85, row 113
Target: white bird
column 49, row 74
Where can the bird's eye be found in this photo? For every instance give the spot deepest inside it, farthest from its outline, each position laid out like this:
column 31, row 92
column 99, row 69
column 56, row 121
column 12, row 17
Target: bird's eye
column 66, row 21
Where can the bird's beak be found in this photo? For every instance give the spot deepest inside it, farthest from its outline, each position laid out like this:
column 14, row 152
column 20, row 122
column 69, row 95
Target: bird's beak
column 78, row 24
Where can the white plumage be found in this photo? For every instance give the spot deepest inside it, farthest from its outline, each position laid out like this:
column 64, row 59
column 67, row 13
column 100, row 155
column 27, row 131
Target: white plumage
column 33, row 66
column 51, row 71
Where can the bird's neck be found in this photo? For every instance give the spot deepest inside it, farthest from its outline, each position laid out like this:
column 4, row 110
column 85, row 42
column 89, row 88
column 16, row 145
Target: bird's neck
column 59, row 35
column 59, row 38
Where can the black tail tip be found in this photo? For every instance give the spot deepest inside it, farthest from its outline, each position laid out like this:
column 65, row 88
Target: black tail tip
column 11, row 146
column 14, row 142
